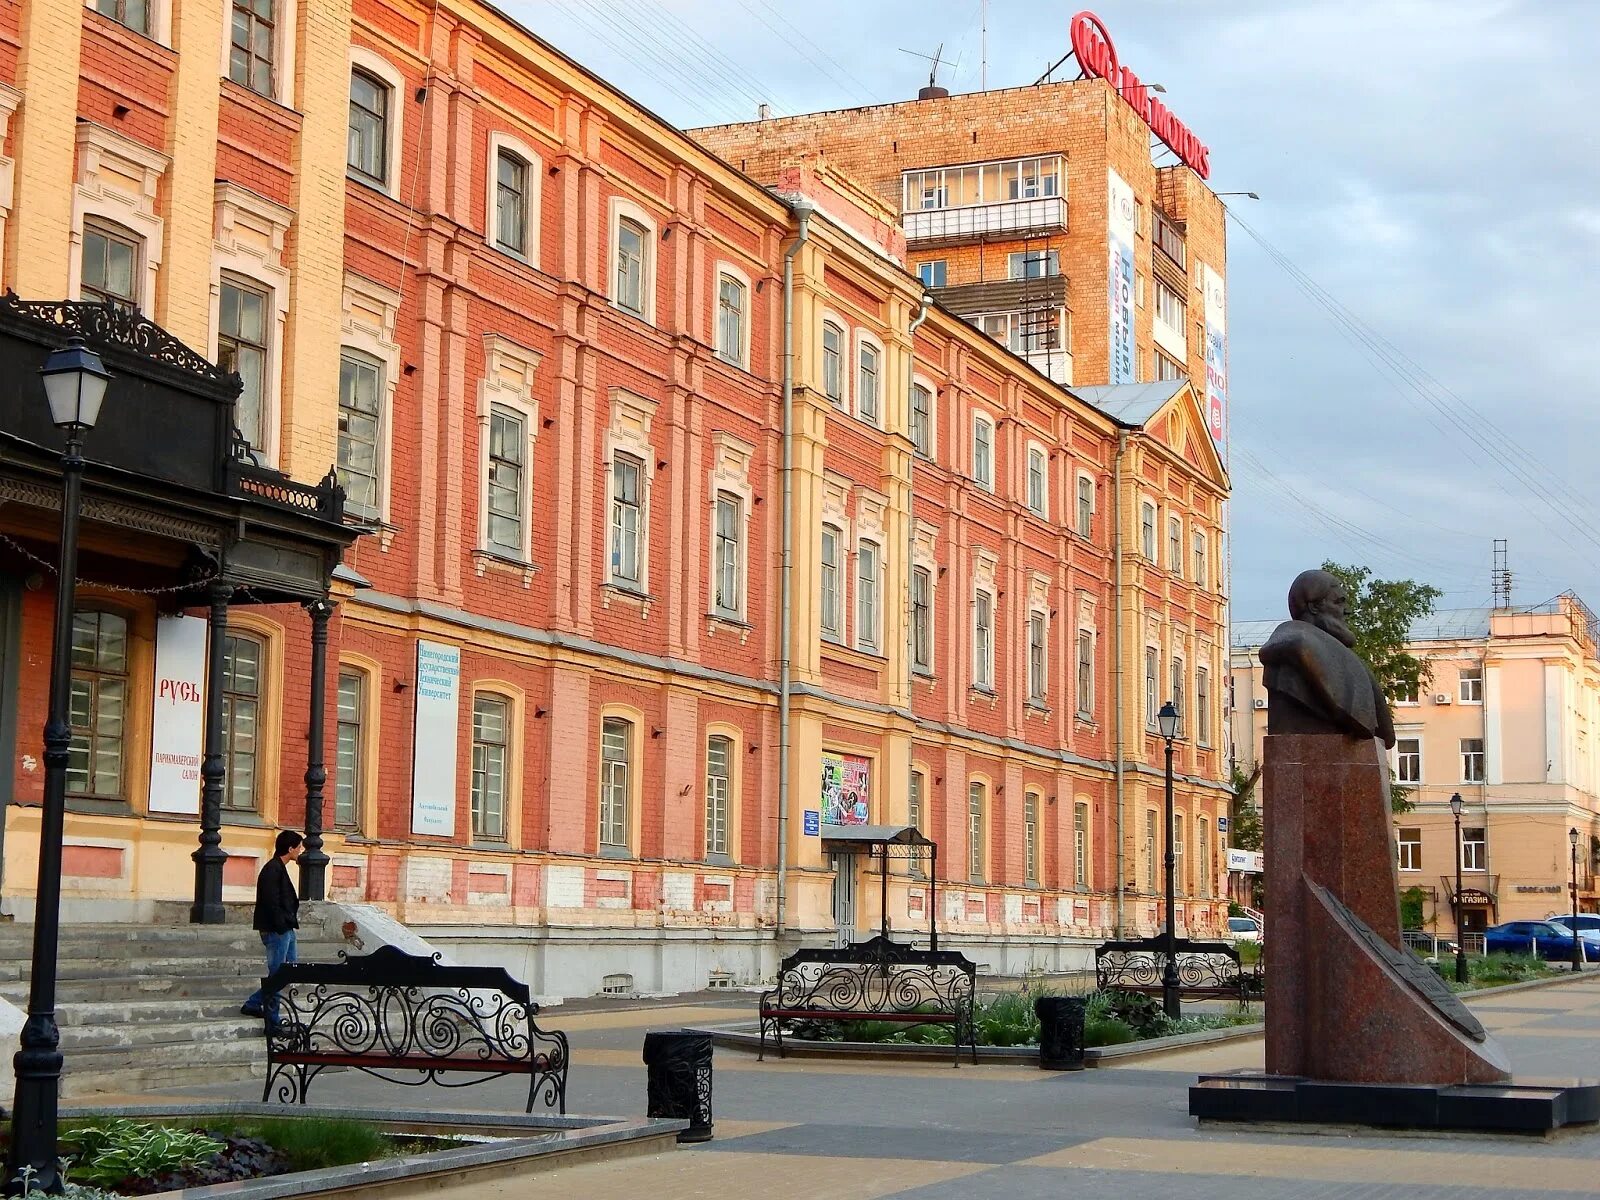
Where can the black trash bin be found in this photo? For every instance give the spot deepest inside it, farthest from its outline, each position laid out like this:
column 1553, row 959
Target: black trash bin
column 679, row 1064
column 1060, row 1032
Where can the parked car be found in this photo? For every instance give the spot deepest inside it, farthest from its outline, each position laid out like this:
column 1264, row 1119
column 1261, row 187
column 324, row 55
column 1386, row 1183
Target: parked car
column 1554, row 941
column 1243, row 929
column 1587, row 924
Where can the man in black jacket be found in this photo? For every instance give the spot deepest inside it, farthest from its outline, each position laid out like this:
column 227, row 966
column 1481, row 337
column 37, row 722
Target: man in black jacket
column 276, row 918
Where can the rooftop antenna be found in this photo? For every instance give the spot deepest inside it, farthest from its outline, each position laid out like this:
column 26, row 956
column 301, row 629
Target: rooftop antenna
column 983, row 45
column 935, row 61
column 1500, row 577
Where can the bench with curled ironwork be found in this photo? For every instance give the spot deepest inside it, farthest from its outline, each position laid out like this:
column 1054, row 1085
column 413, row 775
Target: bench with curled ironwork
column 1206, row 970
column 878, row 980
column 392, row 1014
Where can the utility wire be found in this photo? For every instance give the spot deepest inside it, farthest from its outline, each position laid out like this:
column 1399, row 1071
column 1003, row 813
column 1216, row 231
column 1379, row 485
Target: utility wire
column 796, row 38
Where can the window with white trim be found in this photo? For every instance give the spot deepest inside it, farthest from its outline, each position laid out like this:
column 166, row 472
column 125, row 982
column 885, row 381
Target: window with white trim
column 243, row 349
column 1408, row 760
column 728, row 556
column 833, row 340
column 97, row 710
column 1170, row 307
column 1147, row 530
column 1202, row 705
column 1175, row 546
column 922, row 419
column 1180, row 884
column 1202, row 571
column 627, row 521
column 616, row 769
column 832, row 615
column 111, row 266
column 1150, row 850
column 1038, row 646
column 253, row 45
column 491, row 764
column 1080, row 845
column 1471, row 760
column 1470, row 685
column 934, row 272
column 732, row 330
column 922, row 620
column 367, row 154
column 983, row 641
column 632, row 267
column 977, row 802
column 869, row 364
column 349, row 782
column 1167, row 367
column 1085, row 673
column 1179, row 692
column 1474, row 848
column 1410, row 849
column 135, row 14
column 243, row 657
column 719, row 785
column 505, row 526
column 1152, row 684
column 1030, row 836
column 868, row 585
column 1038, row 496
column 513, row 181
column 1085, row 506
column 914, row 805
column 983, row 451
column 1033, row 264
column 361, row 433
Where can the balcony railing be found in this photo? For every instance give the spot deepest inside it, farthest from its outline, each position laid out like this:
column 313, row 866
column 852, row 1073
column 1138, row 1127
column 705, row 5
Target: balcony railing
column 986, row 222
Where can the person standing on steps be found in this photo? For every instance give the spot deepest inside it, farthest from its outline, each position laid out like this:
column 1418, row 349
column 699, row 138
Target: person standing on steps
column 277, row 917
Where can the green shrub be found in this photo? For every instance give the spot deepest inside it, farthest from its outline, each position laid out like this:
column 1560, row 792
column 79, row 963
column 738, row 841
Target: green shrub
column 310, row 1145
column 106, row 1152
column 1106, row 1031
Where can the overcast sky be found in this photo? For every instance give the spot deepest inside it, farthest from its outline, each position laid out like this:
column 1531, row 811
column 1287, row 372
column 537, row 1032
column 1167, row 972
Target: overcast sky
column 1414, row 358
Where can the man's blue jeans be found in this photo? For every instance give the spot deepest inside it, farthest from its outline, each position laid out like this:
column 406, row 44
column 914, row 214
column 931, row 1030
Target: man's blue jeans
column 280, row 950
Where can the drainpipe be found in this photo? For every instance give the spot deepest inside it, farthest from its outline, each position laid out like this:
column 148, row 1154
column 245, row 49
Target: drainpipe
column 1116, row 594
column 802, row 209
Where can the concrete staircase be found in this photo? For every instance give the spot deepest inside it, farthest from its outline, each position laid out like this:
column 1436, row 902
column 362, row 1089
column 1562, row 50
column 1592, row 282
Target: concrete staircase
column 154, row 1005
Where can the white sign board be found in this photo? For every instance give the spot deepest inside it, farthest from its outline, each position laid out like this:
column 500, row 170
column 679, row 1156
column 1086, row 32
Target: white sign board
column 178, row 721
column 1120, row 229
column 433, row 749
column 1216, row 325
column 1248, row 861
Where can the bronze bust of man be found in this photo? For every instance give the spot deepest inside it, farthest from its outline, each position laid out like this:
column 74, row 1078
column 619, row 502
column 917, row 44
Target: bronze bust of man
column 1315, row 682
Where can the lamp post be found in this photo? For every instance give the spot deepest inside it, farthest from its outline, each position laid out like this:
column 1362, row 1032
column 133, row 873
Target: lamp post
column 1167, row 722
column 74, row 385
column 1461, row 942
column 1577, row 947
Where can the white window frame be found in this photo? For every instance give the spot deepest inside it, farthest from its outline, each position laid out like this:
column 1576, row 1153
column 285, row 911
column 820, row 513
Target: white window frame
column 1085, row 705
column 284, row 18
column 368, row 312
column 869, row 596
column 1409, row 861
column 1469, row 758
column 1017, row 262
column 1201, row 548
column 1085, row 529
column 1175, row 545
column 106, row 161
column 1030, row 837
column 977, row 829
column 614, row 576
column 865, row 342
column 1080, row 845
column 738, row 355
column 620, row 208
column 838, row 324
column 380, row 455
column 1475, row 851
column 718, row 814
column 157, row 19
column 1039, row 457
column 607, row 822
column 1149, row 531
column 385, row 73
column 1401, row 756
column 500, row 141
column 983, row 639
column 931, row 425
column 943, row 272
column 1202, row 704
column 1152, row 687
column 835, row 632
column 741, row 552
column 1038, row 672
column 1470, row 694
column 1179, row 680
column 922, row 666
column 983, row 477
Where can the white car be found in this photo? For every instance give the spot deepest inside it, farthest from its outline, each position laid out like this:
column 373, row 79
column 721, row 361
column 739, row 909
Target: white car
column 1243, row 929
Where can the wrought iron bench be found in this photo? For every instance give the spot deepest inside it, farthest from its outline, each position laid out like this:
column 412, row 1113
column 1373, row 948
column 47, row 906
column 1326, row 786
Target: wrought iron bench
column 878, row 980
column 1206, row 970
column 390, row 1011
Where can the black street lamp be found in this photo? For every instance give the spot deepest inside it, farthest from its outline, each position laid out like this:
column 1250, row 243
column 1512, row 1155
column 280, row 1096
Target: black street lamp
column 1577, row 948
column 1461, row 941
column 74, row 385
column 1167, row 722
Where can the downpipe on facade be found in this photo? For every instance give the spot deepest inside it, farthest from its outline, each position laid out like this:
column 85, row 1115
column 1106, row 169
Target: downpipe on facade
column 1116, row 596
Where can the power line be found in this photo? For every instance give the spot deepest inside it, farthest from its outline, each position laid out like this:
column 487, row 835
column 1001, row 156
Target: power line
column 796, row 38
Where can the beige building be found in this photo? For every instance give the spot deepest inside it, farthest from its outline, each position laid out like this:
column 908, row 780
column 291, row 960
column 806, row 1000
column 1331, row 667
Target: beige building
column 1509, row 721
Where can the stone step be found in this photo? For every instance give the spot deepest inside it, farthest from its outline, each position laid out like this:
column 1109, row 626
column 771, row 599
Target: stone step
column 141, row 987
column 77, row 1039
column 199, row 1057
column 85, row 1085
column 146, row 1012
column 84, row 962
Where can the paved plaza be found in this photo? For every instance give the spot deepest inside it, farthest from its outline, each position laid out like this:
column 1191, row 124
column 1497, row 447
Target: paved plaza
column 857, row 1131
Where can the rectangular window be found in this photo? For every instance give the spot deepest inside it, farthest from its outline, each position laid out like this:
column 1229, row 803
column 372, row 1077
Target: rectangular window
column 1179, row 692
column 983, row 451
column 933, row 273
column 833, row 363
column 728, row 558
column 1202, row 705
column 241, row 719
column 1037, row 640
column 983, row 642
column 511, row 203
column 1203, row 873
column 1030, row 837
column 360, row 432
column 867, row 384
column 730, row 320
column 97, row 705
column 242, row 348
column 110, row 273
column 1471, row 685
column 1036, row 480
column 135, row 14
column 1167, row 367
column 1147, row 530
column 1202, row 571
column 1471, row 760
column 1410, row 849
column 632, row 246
column 1085, row 506
column 252, row 49
column 1408, row 760
column 867, row 596
column 508, row 443
column 1175, row 546
column 1033, row 264
column 627, row 508
column 1474, row 848
column 1170, row 307
column 1080, row 845
column 1168, row 238
column 914, row 804
column 1150, row 850
column 1085, row 673
column 832, row 617
column 1405, row 693
column 367, row 152
column 490, row 758
column 615, row 752
column 922, row 620
column 975, row 800
column 922, row 420
column 348, row 750
column 719, row 776
column 1179, row 882
column 1152, row 701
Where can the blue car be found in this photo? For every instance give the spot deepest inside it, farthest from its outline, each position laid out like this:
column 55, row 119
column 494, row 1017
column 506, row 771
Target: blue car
column 1554, row 941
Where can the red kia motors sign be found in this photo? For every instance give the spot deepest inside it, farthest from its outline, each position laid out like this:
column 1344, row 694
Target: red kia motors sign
column 1095, row 53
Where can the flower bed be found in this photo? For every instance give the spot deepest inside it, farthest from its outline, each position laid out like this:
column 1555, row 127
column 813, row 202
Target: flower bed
column 1492, row 970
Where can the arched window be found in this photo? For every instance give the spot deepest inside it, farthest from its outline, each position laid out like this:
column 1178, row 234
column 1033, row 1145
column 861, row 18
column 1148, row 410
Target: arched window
column 512, row 180
column 633, row 250
column 616, row 782
column 491, row 764
column 977, row 803
column 349, row 783
column 243, row 660
column 719, row 788
column 1030, row 837
column 1080, row 845
column 368, row 151
column 98, row 708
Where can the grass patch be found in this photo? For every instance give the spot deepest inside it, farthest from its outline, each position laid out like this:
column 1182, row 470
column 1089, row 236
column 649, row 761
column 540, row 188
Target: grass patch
column 1492, row 970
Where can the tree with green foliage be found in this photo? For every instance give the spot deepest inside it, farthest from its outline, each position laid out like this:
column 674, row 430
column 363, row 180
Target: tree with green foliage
column 1244, row 818
column 1381, row 612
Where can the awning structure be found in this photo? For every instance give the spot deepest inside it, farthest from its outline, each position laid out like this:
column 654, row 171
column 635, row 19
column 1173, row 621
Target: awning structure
column 886, row 842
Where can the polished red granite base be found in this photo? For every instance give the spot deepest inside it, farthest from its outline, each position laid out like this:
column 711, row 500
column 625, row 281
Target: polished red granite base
column 1347, row 1002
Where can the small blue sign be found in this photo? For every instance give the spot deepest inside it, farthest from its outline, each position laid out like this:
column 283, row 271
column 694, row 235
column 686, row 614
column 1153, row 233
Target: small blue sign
column 813, row 819
column 1222, row 824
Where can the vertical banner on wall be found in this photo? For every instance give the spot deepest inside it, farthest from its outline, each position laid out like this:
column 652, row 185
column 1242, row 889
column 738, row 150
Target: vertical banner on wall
column 1216, row 316
column 1120, row 226
column 178, row 724
column 433, row 749
column 845, row 789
